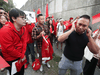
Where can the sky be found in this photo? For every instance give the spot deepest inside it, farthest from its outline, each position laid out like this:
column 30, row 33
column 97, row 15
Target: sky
column 19, row 3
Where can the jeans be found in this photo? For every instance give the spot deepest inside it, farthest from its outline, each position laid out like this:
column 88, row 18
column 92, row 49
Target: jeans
column 30, row 47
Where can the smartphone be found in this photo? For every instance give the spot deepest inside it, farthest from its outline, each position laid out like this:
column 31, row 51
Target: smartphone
column 86, row 31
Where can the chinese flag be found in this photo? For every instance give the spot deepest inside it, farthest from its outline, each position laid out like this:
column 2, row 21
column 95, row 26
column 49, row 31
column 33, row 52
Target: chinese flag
column 47, row 49
column 6, row 1
column 46, row 15
column 96, row 18
column 3, row 63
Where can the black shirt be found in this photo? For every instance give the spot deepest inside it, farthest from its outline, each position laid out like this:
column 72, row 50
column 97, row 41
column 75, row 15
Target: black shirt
column 75, row 45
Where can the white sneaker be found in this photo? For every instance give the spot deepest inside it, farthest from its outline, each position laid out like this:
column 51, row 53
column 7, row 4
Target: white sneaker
column 41, row 68
column 2, row 69
column 48, row 65
column 43, row 62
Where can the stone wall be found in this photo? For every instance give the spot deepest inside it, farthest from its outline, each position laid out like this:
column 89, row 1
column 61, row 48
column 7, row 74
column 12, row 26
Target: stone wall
column 65, row 8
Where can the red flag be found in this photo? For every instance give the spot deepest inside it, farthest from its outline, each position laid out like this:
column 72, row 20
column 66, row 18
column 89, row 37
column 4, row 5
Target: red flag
column 3, row 63
column 96, row 18
column 20, row 64
column 46, row 15
column 52, row 16
column 47, row 49
column 53, row 21
column 6, row 1
column 38, row 11
column 55, row 28
column 33, row 10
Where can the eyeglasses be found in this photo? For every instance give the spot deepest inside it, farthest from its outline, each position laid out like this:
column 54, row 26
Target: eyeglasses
column 3, row 13
column 23, row 17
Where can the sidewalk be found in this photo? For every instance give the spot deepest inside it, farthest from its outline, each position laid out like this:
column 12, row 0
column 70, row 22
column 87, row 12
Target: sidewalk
column 54, row 65
column 52, row 71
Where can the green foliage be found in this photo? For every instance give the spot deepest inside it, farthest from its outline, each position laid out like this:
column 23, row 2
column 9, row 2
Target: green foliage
column 6, row 6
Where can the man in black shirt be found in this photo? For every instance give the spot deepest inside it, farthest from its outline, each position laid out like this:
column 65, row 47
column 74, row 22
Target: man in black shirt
column 77, row 38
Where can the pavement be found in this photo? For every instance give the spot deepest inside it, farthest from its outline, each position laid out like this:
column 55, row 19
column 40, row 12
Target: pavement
column 30, row 71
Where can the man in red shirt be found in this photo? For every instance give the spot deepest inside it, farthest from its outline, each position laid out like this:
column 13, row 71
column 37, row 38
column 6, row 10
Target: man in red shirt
column 13, row 39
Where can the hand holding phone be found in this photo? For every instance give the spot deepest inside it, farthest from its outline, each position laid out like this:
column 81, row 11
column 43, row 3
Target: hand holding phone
column 88, row 32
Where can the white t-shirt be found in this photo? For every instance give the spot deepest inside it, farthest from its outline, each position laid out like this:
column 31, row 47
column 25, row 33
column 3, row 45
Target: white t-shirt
column 89, row 55
column 60, row 29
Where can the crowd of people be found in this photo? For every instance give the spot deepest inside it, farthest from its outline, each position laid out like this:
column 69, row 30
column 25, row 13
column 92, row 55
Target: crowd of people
column 17, row 39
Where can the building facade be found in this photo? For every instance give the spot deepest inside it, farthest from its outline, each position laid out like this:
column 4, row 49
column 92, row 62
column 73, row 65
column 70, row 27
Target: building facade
column 65, row 8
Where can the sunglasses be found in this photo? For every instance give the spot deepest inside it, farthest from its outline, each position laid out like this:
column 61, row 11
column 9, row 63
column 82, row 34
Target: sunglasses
column 3, row 13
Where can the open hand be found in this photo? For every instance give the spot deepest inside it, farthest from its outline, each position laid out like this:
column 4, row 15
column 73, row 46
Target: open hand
column 73, row 25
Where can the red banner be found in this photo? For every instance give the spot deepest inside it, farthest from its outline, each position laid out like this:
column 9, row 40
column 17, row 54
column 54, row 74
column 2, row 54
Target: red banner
column 6, row 1
column 3, row 63
column 96, row 18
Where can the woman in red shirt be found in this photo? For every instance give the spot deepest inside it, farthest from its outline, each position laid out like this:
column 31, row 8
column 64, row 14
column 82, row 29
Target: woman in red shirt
column 51, row 28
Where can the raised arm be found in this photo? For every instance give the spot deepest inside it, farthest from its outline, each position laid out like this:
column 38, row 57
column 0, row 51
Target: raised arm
column 65, row 35
column 93, row 47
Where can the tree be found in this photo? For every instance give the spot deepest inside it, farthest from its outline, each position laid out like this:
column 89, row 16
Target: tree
column 6, row 6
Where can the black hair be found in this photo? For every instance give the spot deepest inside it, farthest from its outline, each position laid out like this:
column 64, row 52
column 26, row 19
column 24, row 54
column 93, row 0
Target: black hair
column 85, row 16
column 57, row 19
column 2, row 8
column 1, row 25
column 15, row 13
column 51, row 25
column 49, row 17
column 90, row 27
column 39, row 15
